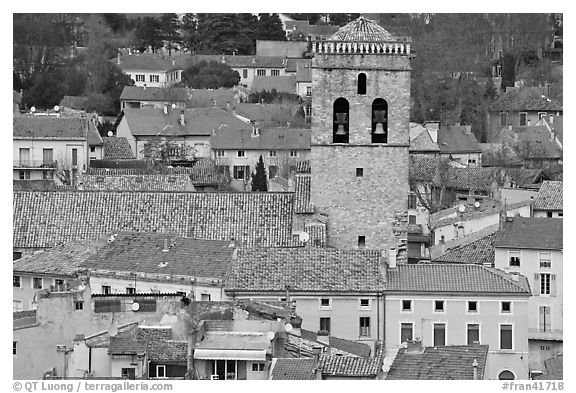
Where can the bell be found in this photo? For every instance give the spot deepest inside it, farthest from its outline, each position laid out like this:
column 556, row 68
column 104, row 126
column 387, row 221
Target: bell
column 341, row 120
column 340, row 130
column 379, row 129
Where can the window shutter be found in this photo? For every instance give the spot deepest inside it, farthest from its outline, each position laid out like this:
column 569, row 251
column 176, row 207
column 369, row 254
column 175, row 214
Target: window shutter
column 536, row 290
column 552, row 285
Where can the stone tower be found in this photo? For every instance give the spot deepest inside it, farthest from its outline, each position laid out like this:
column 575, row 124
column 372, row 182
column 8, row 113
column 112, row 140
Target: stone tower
column 360, row 135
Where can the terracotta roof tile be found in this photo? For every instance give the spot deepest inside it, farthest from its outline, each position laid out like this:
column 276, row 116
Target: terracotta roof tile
column 347, row 366
column 362, row 29
column 303, row 166
column 306, row 270
column 52, row 127
column 168, row 95
column 241, row 61
column 295, row 369
column 62, row 260
column 302, row 194
column 449, row 362
column 117, row 148
column 531, row 142
column 145, row 62
column 126, row 346
column 352, row 347
column 44, row 219
column 550, row 196
column 136, row 183
column 480, row 251
column 532, row 233
column 457, row 139
column 525, row 98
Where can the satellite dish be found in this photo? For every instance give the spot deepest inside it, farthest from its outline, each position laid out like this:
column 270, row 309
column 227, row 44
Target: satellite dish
column 173, row 106
column 304, row 237
column 476, row 204
column 288, row 327
column 33, row 109
column 113, row 331
column 461, row 208
column 82, row 287
column 135, row 306
column 110, row 133
column 56, row 108
column 270, row 335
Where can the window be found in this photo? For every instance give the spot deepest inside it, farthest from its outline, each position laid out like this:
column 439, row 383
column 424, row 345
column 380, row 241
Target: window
column 473, row 330
column 308, row 91
column 160, row 371
column 406, row 305
column 261, row 72
column 364, row 326
column 272, row 171
column 58, row 282
column 293, row 153
column 24, row 175
column 544, row 321
column 545, row 286
column 406, row 330
column 24, row 157
column 523, row 117
column 473, row 306
column 241, row 153
column 325, row 324
column 275, row 72
column 545, row 347
column 78, row 305
column 541, row 115
column 273, row 153
column 92, row 149
column 545, row 259
column 411, row 201
column 220, row 153
column 14, row 346
column 205, row 297
column 106, row 290
column 325, row 302
column 308, row 110
column 37, row 283
column 140, row 78
column 244, row 73
column 181, row 293
column 74, row 157
column 129, row 373
column 362, row 83
column 241, row 172
column 130, row 291
column 506, row 375
column 506, row 307
column 471, row 161
column 257, row 367
column 47, row 175
column 514, row 258
column 505, row 336
column 16, row 305
column 361, row 241
column 17, row 281
column 438, row 305
column 411, row 219
column 379, row 121
column 364, row 303
column 341, row 120
column 154, row 78
column 439, row 334
column 549, row 214
column 503, row 119
column 47, row 157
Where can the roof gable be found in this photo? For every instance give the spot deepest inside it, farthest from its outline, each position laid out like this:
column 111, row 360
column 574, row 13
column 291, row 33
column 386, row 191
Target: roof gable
column 457, row 139
column 117, row 148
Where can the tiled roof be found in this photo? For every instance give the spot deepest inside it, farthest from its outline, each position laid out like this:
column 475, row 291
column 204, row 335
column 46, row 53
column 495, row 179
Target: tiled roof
column 294, row 369
column 362, row 29
column 51, row 127
column 197, row 121
column 448, row 362
column 549, row 196
column 472, row 178
column 212, row 97
column 306, row 270
column 154, row 333
column 524, row 176
column 266, row 113
column 453, row 278
column 421, row 141
column 144, row 253
column 347, row 366
column 525, row 99
column 423, row 167
column 304, row 73
column 439, row 249
column 74, row 102
column 145, row 62
column 292, row 64
column 268, row 139
column 532, row 233
column 62, row 260
column 117, row 148
column 494, row 154
column 136, row 183
column 554, row 369
column 303, row 166
column 480, row 251
column 204, row 172
column 94, row 138
column 126, row 346
column 168, row 95
column 457, row 139
column 44, row 219
column 531, row 142
column 302, row 194
column 281, row 83
column 241, row 61
column 134, row 167
column 167, row 351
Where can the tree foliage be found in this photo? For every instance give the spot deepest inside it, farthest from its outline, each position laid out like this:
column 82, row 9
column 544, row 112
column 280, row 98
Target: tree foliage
column 269, row 27
column 210, row 75
column 259, row 177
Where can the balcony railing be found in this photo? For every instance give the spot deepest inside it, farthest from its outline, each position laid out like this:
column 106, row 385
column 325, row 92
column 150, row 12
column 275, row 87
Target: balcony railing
column 36, row 164
column 545, row 334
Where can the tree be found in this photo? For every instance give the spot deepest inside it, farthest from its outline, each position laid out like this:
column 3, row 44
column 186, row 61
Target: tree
column 226, row 33
column 169, row 25
column 508, row 71
column 311, row 18
column 164, row 150
column 269, row 27
column 45, row 92
column 148, row 34
column 259, row 177
column 490, row 90
column 210, row 75
column 430, row 187
column 190, row 36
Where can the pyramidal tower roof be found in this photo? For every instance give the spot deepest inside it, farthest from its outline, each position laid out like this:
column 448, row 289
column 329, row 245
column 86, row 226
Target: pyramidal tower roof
column 363, row 30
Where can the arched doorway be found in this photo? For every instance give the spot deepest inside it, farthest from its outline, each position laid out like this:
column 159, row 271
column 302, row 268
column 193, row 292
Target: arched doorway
column 506, row 375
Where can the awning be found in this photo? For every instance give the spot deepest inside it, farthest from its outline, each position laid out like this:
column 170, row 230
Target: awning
column 232, row 354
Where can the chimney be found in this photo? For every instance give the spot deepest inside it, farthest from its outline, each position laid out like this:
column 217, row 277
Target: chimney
column 165, row 249
column 173, row 62
column 182, row 122
column 165, row 109
column 475, row 365
column 383, row 267
column 551, row 119
column 392, row 258
column 414, row 347
column 228, row 106
column 130, row 51
column 255, row 130
column 232, row 243
column 529, row 122
column 119, row 59
column 223, row 59
column 316, row 351
column 144, row 86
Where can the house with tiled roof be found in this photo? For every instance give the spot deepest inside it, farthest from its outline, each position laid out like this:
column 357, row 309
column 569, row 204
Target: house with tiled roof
column 480, row 251
column 190, row 129
column 149, row 69
column 44, row 144
column 533, row 247
column 459, row 304
column 240, row 150
column 268, row 115
column 336, row 292
column 117, row 148
column 136, row 183
column 535, row 145
column 424, row 138
column 520, row 106
column 549, row 201
column 459, row 144
column 295, row 369
column 137, row 97
column 132, row 262
column 451, row 362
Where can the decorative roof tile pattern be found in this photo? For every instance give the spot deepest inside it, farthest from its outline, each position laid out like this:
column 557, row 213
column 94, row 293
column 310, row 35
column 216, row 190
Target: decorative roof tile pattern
column 136, row 183
column 52, row 127
column 549, row 196
column 167, row 351
column 168, row 95
column 44, row 219
column 480, row 252
column 295, row 369
column 347, row 366
column 145, row 253
column 362, row 29
column 306, row 270
column 531, row 233
column 269, row 139
column 525, row 99
column 439, row 363
column 117, row 148
column 62, row 260
column 456, row 140
column 454, row 278
column 302, row 195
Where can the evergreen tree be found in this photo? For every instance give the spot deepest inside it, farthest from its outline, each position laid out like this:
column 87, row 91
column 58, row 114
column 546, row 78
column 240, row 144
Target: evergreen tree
column 490, row 92
column 259, row 177
column 169, row 26
column 508, row 71
column 212, row 75
column 269, row 27
column 190, row 37
column 227, row 33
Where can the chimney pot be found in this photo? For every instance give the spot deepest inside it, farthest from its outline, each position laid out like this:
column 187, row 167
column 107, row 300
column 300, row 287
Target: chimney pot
column 166, row 249
column 119, row 59
column 182, row 122
column 392, row 258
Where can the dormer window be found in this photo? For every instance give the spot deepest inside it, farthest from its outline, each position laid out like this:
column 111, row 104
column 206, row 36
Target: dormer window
column 379, row 121
column 362, row 83
column 341, row 121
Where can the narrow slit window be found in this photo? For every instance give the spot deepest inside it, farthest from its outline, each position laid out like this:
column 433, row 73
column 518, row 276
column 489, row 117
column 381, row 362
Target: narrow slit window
column 362, row 83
